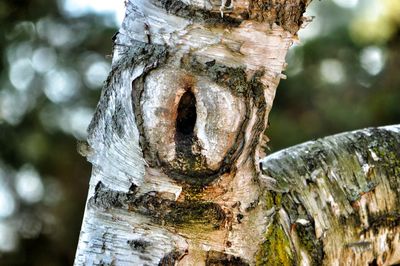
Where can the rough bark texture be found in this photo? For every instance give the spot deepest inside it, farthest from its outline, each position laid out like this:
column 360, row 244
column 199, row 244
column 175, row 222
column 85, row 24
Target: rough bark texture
column 178, row 133
column 335, row 201
column 176, row 140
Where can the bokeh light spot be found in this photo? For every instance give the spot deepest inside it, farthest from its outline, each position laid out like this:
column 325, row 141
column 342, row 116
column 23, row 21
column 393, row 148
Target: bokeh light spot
column 16, row 51
column 21, row 74
column 372, row 60
column 44, row 59
column 7, row 201
column 332, row 71
column 96, row 74
column 58, row 34
column 61, row 85
column 9, row 99
column 28, row 184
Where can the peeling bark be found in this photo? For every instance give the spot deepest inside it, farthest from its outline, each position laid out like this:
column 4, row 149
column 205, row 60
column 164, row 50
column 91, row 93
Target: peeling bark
column 337, row 199
column 176, row 143
column 178, row 133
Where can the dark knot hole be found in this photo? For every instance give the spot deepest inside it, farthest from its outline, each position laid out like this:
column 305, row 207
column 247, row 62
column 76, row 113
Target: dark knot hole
column 228, row 3
column 186, row 118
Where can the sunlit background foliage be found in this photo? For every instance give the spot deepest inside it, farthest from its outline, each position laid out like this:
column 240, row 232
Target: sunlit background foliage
column 55, row 56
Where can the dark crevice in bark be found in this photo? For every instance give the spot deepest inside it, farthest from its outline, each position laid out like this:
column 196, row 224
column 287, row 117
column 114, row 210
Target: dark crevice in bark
column 373, row 263
column 186, row 118
column 185, row 140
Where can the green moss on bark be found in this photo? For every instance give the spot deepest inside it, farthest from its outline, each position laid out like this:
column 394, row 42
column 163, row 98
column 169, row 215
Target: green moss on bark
column 276, row 249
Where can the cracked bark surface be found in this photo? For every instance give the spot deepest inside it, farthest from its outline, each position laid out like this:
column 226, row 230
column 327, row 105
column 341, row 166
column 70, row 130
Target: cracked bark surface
column 337, row 199
column 177, row 139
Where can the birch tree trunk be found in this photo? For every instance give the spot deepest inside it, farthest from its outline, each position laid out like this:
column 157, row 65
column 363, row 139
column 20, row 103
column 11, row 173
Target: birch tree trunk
column 176, row 143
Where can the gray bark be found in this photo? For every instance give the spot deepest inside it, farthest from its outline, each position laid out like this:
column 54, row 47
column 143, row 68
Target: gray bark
column 177, row 138
column 338, row 199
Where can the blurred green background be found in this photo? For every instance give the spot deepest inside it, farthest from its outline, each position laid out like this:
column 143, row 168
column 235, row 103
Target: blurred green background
column 54, row 58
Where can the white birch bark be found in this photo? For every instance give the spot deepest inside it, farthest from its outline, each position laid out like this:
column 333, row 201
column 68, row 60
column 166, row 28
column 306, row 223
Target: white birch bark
column 177, row 136
column 337, row 199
